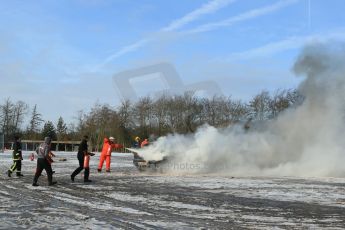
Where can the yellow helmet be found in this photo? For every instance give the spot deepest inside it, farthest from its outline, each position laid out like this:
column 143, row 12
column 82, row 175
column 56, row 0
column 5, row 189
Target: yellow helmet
column 137, row 138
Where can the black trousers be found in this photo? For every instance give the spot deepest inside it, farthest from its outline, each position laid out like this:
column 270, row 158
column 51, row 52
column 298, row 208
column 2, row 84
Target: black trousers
column 80, row 168
column 42, row 163
column 17, row 165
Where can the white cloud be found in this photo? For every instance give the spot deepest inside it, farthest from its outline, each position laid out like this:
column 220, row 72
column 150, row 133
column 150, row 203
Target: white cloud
column 287, row 44
column 124, row 50
column 210, row 7
column 207, row 8
column 243, row 17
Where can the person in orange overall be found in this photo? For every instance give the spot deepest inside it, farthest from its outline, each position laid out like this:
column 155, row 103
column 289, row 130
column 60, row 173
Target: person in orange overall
column 144, row 143
column 108, row 146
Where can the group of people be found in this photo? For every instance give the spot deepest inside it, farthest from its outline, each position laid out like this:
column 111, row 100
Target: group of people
column 44, row 158
column 140, row 144
column 84, row 157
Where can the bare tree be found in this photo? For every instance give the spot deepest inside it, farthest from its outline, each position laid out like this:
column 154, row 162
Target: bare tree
column 12, row 117
column 124, row 113
column 294, row 97
column 259, row 106
column 6, row 114
column 220, row 111
column 20, row 109
column 160, row 108
column 208, row 114
column 143, row 115
column 173, row 113
column 278, row 102
column 191, row 111
column 178, row 113
column 238, row 110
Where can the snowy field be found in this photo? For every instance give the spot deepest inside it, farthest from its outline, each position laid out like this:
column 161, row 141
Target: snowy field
column 128, row 199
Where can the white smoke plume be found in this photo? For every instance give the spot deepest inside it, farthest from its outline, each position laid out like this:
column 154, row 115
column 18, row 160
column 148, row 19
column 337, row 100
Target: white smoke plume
column 307, row 140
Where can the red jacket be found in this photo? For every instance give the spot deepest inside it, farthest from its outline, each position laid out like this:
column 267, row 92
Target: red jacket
column 108, row 148
column 145, row 142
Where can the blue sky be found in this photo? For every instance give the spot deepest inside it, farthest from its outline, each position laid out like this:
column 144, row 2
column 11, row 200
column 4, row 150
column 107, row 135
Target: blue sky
column 61, row 55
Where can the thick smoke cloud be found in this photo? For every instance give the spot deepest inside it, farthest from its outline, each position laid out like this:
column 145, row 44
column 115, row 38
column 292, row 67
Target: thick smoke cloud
column 307, row 140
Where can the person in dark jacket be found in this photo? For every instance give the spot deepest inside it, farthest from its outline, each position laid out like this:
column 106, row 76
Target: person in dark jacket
column 43, row 157
column 17, row 158
column 82, row 155
column 136, row 143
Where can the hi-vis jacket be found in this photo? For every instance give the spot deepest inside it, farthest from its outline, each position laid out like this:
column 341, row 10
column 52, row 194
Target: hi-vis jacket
column 17, row 151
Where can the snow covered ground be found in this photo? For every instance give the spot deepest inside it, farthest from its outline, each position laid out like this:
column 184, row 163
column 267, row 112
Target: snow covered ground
column 128, row 199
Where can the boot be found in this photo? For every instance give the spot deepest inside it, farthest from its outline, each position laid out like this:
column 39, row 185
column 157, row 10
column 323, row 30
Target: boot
column 72, row 178
column 86, row 175
column 19, row 174
column 50, row 179
column 9, row 173
column 34, row 184
column 99, row 170
column 52, row 183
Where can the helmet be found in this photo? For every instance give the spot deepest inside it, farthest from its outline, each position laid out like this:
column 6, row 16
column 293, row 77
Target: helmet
column 111, row 138
column 137, row 139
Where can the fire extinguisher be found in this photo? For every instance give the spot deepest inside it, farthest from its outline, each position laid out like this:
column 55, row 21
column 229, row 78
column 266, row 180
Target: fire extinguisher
column 32, row 157
column 86, row 161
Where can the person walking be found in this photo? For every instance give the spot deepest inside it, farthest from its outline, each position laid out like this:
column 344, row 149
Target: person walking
column 43, row 152
column 83, row 158
column 17, row 158
column 108, row 146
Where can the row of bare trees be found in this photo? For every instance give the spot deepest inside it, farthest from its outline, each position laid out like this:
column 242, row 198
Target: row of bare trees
column 12, row 116
column 179, row 114
column 147, row 117
column 16, row 118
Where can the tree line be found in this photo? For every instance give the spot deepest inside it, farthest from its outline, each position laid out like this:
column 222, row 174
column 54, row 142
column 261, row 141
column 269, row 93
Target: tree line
column 147, row 118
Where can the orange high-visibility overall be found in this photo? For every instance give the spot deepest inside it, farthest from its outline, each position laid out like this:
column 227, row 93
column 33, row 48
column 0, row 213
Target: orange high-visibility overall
column 144, row 143
column 106, row 154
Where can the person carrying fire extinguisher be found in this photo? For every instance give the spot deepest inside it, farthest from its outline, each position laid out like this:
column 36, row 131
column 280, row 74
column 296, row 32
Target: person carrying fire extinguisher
column 84, row 160
column 108, row 146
